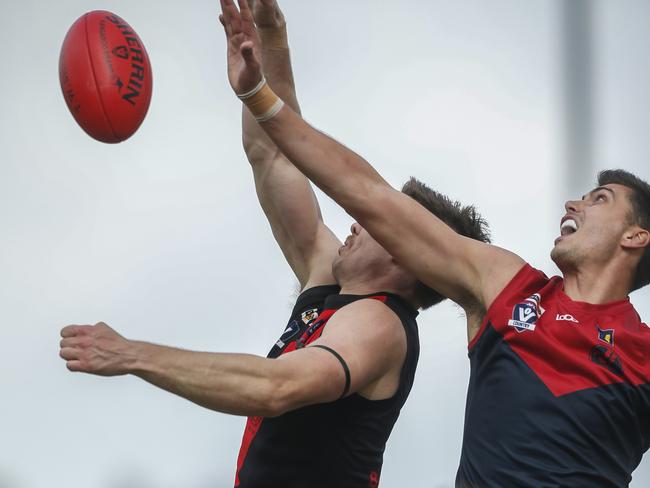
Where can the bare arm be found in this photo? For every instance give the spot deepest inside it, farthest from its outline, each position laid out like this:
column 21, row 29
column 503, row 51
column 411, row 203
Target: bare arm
column 467, row 271
column 284, row 193
column 243, row 384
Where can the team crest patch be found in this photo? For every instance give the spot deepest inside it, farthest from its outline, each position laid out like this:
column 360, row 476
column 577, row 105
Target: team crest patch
column 309, row 316
column 605, row 355
column 606, row 335
column 293, row 327
column 526, row 314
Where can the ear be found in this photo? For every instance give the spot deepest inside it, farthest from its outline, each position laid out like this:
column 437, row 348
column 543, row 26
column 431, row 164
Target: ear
column 636, row 238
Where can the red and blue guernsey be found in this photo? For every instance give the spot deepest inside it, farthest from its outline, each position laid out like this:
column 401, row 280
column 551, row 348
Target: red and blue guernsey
column 559, row 392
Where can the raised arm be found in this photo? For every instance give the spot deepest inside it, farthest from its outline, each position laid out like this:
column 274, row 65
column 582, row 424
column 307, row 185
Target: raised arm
column 469, row 272
column 284, row 193
column 243, row 384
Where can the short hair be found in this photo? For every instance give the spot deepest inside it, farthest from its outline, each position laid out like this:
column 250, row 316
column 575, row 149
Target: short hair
column 464, row 219
column 640, row 214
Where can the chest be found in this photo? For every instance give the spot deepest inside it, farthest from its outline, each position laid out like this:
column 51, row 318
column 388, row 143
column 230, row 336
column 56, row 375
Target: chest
column 570, row 348
column 302, row 330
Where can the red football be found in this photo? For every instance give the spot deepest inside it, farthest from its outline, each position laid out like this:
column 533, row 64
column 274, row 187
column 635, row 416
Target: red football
column 105, row 76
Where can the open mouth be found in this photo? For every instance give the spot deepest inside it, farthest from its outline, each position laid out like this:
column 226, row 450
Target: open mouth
column 569, row 226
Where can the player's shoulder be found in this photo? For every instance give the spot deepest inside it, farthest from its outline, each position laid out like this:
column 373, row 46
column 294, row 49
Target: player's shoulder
column 369, row 312
column 527, row 280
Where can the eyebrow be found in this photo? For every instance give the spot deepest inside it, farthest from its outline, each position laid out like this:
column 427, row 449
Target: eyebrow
column 598, row 189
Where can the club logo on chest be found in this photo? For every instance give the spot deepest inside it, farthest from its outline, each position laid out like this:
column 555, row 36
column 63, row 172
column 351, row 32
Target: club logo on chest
column 526, row 314
column 604, row 355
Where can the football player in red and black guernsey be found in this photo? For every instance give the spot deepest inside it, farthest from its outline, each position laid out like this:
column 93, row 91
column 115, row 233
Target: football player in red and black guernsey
column 322, row 405
column 559, row 391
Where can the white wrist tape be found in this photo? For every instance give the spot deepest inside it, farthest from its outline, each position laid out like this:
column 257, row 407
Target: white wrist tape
column 263, row 103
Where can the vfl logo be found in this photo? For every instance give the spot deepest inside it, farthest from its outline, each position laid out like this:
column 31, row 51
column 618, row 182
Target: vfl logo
column 121, row 52
column 526, row 314
column 566, row 317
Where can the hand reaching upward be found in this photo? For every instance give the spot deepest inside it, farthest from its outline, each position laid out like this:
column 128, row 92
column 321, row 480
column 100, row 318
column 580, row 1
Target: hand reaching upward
column 243, row 53
column 267, row 14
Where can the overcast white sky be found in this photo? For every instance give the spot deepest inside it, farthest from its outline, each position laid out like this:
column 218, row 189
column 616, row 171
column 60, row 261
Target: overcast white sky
column 162, row 237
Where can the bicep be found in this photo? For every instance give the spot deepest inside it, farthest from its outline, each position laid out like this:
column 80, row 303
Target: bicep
column 292, row 210
column 458, row 267
column 369, row 341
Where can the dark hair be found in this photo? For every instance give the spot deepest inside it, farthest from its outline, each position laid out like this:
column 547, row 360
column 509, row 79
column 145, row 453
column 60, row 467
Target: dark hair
column 465, row 220
column 640, row 214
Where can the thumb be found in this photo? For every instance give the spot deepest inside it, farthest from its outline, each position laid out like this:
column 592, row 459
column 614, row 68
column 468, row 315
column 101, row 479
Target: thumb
column 248, row 53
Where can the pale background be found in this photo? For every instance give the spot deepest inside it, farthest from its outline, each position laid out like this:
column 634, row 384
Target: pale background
column 162, row 237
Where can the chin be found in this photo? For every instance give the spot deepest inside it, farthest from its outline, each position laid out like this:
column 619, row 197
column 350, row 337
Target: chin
column 336, row 266
column 563, row 257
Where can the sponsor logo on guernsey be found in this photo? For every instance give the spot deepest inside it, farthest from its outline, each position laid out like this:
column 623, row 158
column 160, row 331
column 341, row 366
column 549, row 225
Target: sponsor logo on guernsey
column 308, row 316
column 567, row 318
column 526, row 314
column 292, row 329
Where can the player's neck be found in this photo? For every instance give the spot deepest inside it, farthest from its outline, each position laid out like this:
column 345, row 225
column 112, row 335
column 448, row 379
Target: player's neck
column 597, row 284
column 365, row 288
column 369, row 285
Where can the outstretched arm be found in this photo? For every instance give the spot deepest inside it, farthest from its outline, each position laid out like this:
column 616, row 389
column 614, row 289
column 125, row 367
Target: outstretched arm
column 284, row 193
column 243, row 384
column 469, row 272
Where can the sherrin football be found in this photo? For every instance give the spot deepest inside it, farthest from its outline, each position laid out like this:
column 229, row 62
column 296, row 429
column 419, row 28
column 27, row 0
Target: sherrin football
column 105, row 76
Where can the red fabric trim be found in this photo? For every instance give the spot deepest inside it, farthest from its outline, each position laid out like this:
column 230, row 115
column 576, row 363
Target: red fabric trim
column 507, row 290
column 253, row 425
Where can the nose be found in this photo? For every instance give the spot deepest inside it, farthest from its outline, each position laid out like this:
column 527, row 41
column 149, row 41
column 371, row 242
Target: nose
column 573, row 205
column 355, row 228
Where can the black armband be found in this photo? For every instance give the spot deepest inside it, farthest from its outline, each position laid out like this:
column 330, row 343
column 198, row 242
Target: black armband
column 346, row 370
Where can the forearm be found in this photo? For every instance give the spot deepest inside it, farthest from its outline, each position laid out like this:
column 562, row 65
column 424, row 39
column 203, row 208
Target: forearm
column 338, row 171
column 238, row 384
column 276, row 62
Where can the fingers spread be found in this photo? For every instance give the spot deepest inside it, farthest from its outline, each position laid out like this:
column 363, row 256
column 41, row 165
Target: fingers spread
column 245, row 11
column 231, row 16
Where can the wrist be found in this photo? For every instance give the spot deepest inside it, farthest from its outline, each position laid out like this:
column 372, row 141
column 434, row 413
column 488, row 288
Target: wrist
column 274, row 38
column 263, row 103
column 139, row 357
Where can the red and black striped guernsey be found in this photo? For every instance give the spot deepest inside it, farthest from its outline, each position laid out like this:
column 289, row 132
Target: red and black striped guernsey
column 332, row 445
column 559, row 391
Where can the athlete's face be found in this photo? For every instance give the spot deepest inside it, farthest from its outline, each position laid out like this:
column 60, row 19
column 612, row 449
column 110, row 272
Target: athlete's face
column 594, row 228
column 361, row 255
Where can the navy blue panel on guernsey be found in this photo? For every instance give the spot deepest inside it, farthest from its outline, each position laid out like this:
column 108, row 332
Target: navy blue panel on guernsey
column 339, row 444
column 519, row 434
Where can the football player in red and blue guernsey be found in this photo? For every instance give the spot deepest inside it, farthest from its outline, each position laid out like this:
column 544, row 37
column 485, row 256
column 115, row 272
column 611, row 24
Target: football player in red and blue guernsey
column 322, row 405
column 559, row 391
